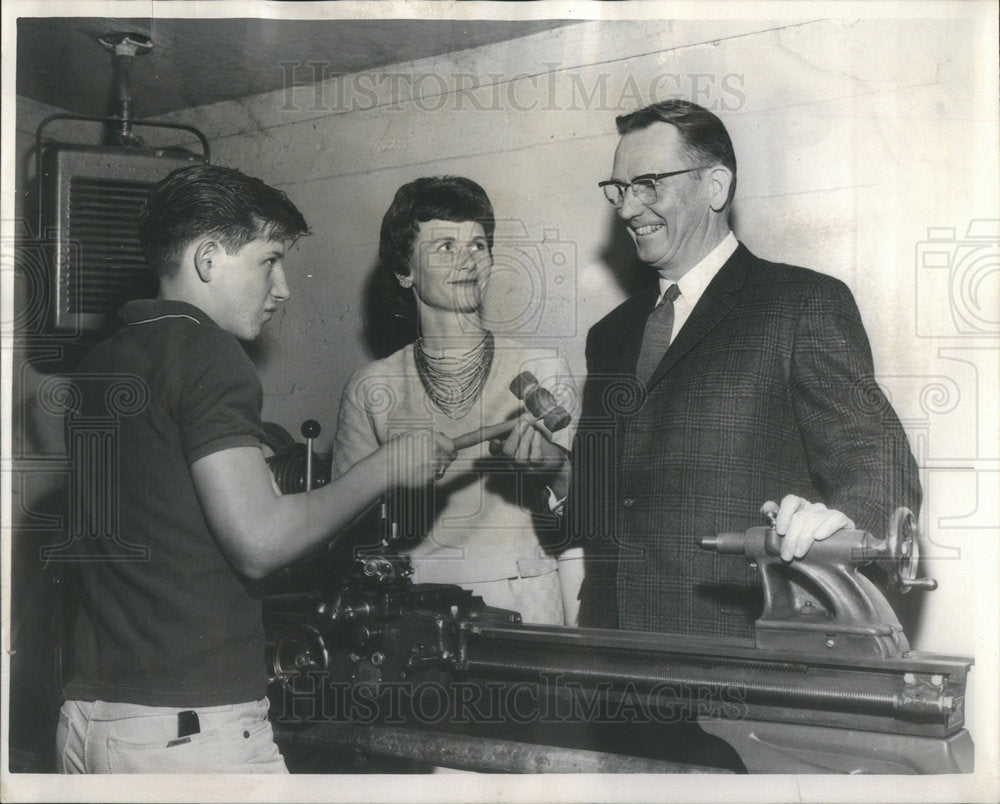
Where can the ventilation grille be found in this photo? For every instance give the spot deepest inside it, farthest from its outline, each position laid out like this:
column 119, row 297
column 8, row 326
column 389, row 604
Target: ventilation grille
column 92, row 197
column 102, row 216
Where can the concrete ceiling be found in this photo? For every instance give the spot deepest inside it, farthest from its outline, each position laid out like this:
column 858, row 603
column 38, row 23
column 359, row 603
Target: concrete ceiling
column 194, row 62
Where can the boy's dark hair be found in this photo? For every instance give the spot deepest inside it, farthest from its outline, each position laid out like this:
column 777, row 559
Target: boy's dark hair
column 445, row 198
column 192, row 202
column 703, row 134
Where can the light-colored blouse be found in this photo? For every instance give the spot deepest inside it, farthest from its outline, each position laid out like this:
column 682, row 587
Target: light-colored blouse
column 480, row 514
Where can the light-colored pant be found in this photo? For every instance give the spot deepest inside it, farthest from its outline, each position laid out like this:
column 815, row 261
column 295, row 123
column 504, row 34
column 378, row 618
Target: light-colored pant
column 106, row 737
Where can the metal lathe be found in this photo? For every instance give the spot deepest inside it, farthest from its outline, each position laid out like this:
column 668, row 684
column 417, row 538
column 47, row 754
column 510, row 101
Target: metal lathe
column 372, row 672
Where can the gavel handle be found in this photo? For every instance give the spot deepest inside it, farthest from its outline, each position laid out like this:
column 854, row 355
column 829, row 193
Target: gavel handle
column 484, row 434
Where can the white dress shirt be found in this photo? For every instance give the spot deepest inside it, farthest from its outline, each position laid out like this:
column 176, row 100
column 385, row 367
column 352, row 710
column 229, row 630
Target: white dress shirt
column 694, row 282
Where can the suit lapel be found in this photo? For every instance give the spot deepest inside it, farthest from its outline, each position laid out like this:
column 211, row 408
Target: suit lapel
column 714, row 305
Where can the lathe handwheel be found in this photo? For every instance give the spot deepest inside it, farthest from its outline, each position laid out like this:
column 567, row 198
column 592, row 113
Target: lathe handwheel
column 298, row 653
column 904, row 553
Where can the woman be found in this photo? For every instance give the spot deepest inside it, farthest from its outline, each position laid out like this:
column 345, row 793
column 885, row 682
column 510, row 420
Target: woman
column 475, row 527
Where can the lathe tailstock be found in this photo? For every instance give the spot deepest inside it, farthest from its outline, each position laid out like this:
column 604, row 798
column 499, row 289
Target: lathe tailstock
column 374, row 666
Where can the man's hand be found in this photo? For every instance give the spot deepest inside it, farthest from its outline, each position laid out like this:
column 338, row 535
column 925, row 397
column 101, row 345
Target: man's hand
column 801, row 523
column 418, row 457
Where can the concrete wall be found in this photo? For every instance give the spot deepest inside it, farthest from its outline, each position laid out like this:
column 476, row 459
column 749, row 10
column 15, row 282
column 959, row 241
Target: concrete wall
column 854, row 140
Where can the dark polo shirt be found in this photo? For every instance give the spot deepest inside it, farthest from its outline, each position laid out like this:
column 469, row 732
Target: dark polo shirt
column 165, row 619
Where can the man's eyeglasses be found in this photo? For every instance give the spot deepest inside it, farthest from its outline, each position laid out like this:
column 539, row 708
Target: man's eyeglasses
column 643, row 186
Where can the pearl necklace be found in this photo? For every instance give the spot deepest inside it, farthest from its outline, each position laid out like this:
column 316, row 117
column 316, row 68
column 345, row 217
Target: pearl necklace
column 455, row 383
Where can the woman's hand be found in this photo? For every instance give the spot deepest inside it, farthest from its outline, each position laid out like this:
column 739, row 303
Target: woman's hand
column 417, row 457
column 530, row 445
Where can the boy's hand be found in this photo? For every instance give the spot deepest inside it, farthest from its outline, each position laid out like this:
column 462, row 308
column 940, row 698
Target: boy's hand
column 418, row 457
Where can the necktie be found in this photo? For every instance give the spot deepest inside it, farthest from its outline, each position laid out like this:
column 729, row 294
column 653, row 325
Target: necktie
column 656, row 338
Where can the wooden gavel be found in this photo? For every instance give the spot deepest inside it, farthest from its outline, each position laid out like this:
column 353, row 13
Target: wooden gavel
column 539, row 402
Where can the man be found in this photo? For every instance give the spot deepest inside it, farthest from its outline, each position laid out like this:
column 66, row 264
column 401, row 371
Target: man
column 752, row 381
column 169, row 644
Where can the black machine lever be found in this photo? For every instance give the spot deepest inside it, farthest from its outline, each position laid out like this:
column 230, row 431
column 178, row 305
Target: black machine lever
column 310, row 429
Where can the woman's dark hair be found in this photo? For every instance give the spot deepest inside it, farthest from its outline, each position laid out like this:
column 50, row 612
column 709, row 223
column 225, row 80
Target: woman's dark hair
column 445, row 198
column 703, row 134
column 210, row 200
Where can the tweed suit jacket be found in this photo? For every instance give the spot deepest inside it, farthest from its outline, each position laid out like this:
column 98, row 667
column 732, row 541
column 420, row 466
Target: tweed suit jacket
column 768, row 389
